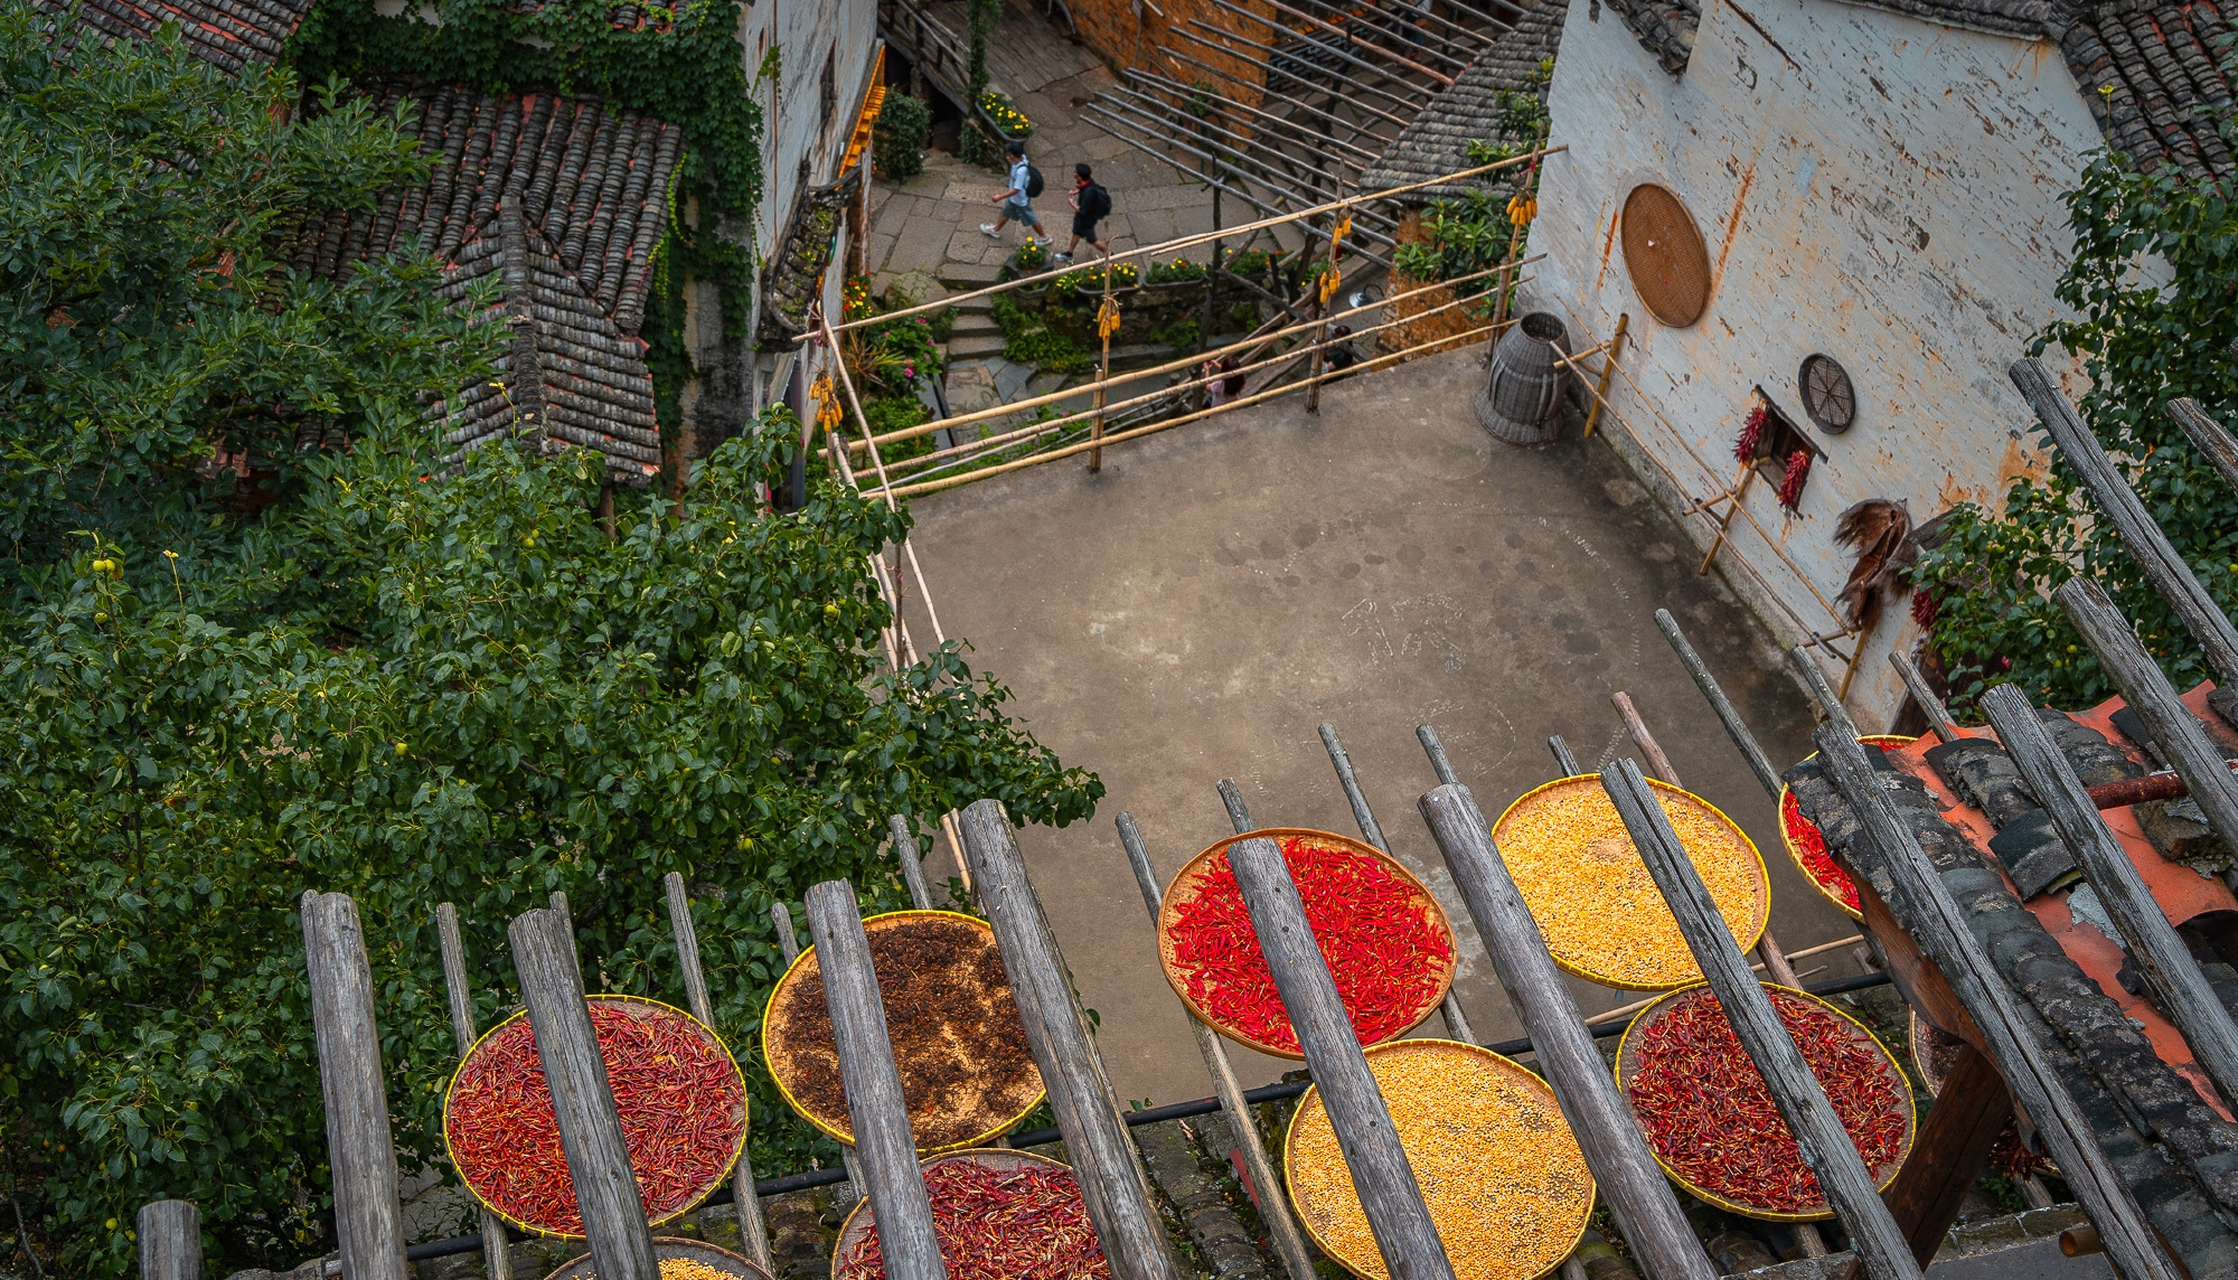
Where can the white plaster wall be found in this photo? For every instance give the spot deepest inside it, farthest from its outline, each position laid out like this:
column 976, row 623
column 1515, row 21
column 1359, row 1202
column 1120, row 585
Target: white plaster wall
column 1869, row 185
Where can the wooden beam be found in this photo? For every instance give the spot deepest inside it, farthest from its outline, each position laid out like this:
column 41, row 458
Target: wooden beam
column 621, row 1245
column 1274, row 1207
column 1826, row 1146
column 2130, row 1243
column 1397, row 1216
column 1712, row 692
column 751, row 1229
column 1563, row 759
column 1814, row 682
column 1637, row 1193
column 1431, row 747
column 912, row 862
column 496, row 1251
column 2208, row 436
column 1949, row 1152
column 2177, row 734
column 2163, row 567
column 1111, row 1176
column 884, row 1142
column 1938, row 715
column 170, row 1234
column 368, row 1218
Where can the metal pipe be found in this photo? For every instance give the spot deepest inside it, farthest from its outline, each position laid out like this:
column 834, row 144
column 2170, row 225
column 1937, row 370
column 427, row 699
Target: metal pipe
column 1273, row 70
column 1230, row 104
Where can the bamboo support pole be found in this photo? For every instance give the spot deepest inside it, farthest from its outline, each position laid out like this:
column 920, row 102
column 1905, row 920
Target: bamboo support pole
column 752, row 1230
column 1456, row 1021
column 1179, row 243
column 1949, row 941
column 1939, row 722
column 1630, row 1182
column 1298, row 104
column 368, row 1218
column 1397, row 1216
column 1826, row 1146
column 1274, row 1208
column 1112, row 1181
column 884, row 1144
column 170, row 1234
column 2216, row 635
column 1107, row 323
column 1326, row 288
column 2161, row 956
column 496, row 1250
column 1270, row 166
column 621, row 1244
column 1297, row 132
column 1608, row 370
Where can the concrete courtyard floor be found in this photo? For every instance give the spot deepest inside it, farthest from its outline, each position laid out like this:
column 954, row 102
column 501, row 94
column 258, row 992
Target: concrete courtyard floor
column 1197, row 610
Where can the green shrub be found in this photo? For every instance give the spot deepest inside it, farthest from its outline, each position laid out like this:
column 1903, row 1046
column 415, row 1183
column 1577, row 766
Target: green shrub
column 898, row 141
column 1028, row 339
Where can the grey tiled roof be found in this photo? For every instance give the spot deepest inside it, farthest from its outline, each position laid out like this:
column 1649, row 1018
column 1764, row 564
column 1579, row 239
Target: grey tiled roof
column 1437, row 141
column 591, row 186
column 228, row 34
column 1665, row 28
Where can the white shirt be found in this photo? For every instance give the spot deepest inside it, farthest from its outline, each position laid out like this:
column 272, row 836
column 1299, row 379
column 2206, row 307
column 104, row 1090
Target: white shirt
column 1018, row 179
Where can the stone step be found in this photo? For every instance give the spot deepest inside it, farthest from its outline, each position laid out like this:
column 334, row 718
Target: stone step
column 973, row 324
column 968, row 275
column 975, row 348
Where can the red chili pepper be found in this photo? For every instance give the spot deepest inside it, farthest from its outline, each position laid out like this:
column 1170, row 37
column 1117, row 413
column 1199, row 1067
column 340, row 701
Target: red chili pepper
column 1026, row 1223
column 1810, row 850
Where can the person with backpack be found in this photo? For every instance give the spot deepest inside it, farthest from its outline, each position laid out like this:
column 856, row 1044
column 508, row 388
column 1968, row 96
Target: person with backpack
column 1017, row 203
column 1091, row 204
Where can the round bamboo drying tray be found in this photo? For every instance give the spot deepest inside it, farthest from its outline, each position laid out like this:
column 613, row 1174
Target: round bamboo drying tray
column 1603, row 918
column 722, row 1261
column 717, row 1162
column 1490, row 1151
column 859, row 1220
column 961, row 1093
column 1831, row 883
column 1188, row 884
column 1627, row 1065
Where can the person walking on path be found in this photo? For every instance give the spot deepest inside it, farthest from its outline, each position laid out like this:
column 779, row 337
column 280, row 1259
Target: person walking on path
column 1091, row 204
column 1017, row 203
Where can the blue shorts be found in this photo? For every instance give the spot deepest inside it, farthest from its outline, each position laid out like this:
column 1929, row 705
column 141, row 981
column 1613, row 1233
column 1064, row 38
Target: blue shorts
column 1019, row 211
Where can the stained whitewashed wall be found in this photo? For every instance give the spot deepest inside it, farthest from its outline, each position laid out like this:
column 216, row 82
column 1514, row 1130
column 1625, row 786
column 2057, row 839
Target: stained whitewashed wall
column 1868, row 185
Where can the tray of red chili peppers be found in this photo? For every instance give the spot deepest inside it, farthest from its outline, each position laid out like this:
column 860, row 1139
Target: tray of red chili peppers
column 681, row 1099
column 1387, row 941
column 999, row 1215
column 1710, row 1120
column 680, row 1259
column 1808, row 848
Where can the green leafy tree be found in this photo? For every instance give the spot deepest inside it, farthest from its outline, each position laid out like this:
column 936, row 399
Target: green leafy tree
column 146, row 319
column 2154, row 320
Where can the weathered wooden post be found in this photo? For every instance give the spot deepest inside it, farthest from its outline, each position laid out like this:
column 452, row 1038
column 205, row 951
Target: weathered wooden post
column 170, row 1234
column 1564, row 759
column 1381, row 1174
column 1274, row 1210
column 2176, row 733
column 496, row 1254
column 1111, row 1177
column 884, row 1142
column 912, row 862
column 1825, row 1144
column 2208, row 436
column 1637, row 1192
column 781, row 918
column 1937, row 922
column 751, row 1229
column 590, row 1128
column 2143, row 539
column 2160, row 955
column 1939, row 722
column 368, row 1219
column 1822, row 693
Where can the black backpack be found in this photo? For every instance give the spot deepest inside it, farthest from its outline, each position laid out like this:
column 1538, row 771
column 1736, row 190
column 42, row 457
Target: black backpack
column 1033, row 183
column 1095, row 203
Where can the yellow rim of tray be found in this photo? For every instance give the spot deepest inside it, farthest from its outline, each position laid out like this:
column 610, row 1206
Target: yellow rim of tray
column 1168, row 911
column 1904, row 1088
column 745, row 1127
column 668, row 1247
column 1312, row 1093
column 1787, row 842
column 1759, row 922
column 843, row 1136
column 978, row 1155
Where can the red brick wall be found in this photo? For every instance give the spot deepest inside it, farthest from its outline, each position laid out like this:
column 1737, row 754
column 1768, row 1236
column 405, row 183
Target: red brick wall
column 1126, row 38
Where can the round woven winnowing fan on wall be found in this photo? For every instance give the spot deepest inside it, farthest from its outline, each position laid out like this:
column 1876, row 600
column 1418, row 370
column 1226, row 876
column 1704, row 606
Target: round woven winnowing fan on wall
column 1664, row 254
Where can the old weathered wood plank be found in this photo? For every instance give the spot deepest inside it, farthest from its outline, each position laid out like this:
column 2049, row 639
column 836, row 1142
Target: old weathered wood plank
column 912, row 862
column 2160, row 955
column 2143, row 539
column 1274, row 1207
column 2130, row 1243
column 2208, row 436
column 1829, row 703
column 884, row 1143
column 1938, row 715
column 496, row 1252
column 1825, row 1144
column 752, row 1230
column 170, row 1234
column 1712, row 692
column 781, row 919
column 1383, row 1178
column 590, row 1128
column 1564, row 758
column 368, row 1220
column 2177, row 734
column 1634, row 1186
column 1111, row 1175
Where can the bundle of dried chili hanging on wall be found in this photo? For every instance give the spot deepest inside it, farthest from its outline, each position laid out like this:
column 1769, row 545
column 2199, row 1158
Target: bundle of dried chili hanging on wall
column 1752, row 436
column 1791, row 484
column 1386, row 942
column 1710, row 1119
column 681, row 1100
column 994, row 1223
